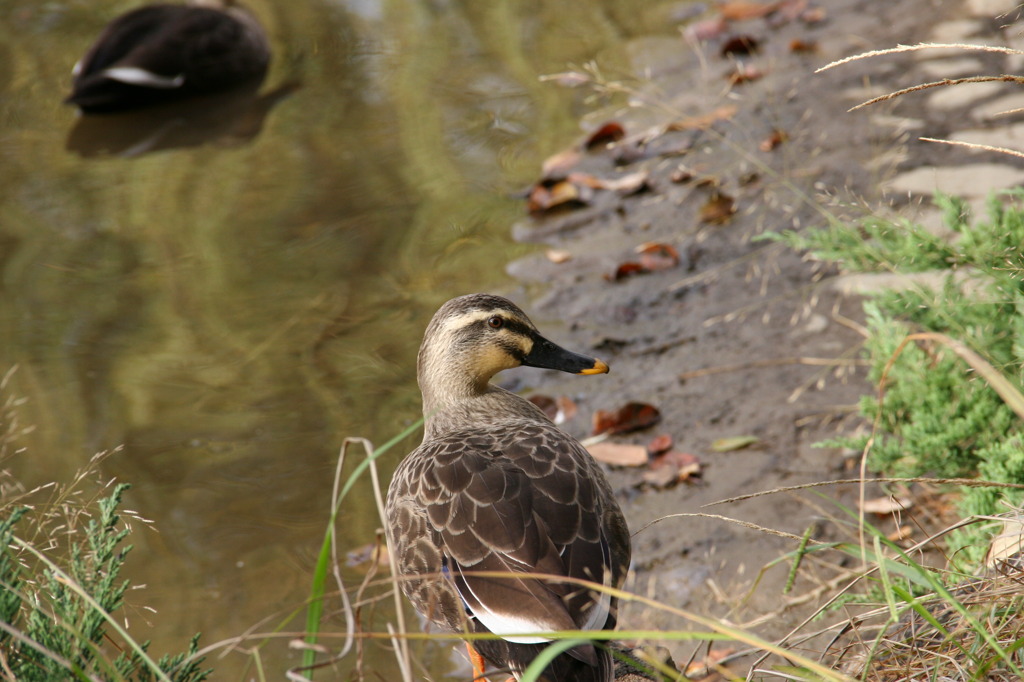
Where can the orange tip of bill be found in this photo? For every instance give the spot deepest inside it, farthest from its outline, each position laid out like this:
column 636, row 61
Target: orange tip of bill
column 598, row 368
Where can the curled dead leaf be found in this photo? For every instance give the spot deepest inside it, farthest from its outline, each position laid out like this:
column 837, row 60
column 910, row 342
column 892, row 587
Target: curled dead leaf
column 630, row 417
column 798, row 45
column 605, row 135
column 619, row 454
column 558, row 165
column 656, row 256
column 546, row 404
column 659, row 445
column 776, row 138
column 745, row 73
column 740, row 45
column 562, row 194
column 627, row 269
column 671, row 468
column 718, row 209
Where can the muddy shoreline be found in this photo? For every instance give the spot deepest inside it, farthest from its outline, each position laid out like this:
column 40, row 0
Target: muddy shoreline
column 743, row 337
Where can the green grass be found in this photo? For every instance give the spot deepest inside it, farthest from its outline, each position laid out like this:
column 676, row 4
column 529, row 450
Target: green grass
column 938, row 411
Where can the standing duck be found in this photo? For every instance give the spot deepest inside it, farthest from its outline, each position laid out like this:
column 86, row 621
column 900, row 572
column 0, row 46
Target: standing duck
column 496, row 487
column 163, row 52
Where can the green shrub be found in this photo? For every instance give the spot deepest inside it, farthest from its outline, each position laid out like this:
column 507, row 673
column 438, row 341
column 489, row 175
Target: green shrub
column 935, row 416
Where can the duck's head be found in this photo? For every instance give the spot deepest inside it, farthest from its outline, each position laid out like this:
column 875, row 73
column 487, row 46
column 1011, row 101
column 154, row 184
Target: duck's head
column 472, row 338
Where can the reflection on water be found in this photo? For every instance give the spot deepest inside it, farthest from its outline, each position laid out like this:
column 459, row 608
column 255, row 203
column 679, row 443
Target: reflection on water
column 231, row 313
column 228, row 119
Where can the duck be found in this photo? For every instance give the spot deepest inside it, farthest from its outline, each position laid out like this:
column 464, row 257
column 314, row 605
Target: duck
column 496, row 487
column 164, row 52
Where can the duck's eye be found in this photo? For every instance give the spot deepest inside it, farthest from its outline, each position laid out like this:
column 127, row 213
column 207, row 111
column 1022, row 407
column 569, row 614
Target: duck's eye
column 496, row 322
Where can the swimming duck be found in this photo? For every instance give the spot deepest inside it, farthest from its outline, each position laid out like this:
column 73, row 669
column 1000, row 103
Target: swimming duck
column 495, row 486
column 163, row 52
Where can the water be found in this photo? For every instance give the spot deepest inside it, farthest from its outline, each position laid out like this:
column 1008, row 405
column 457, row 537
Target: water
column 229, row 312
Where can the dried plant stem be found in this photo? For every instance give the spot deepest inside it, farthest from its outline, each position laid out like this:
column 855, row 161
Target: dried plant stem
column 1005, row 78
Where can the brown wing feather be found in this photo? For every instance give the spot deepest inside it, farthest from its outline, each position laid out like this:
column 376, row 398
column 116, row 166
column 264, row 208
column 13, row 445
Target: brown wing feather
column 519, row 500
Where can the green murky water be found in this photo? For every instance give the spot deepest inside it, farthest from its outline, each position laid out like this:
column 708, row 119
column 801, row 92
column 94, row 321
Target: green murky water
column 229, row 312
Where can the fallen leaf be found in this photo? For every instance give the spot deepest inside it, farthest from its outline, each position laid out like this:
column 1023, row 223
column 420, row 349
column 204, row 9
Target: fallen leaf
column 544, row 197
column 901, row 533
column 566, row 409
column 656, row 256
column 671, row 468
column 741, row 10
column 619, row 454
column 558, row 256
column 886, row 505
column 606, row 134
column 718, row 209
column 558, row 165
column 740, row 45
column 776, row 138
column 659, row 445
column 797, row 45
column 733, row 443
column 627, row 184
column 681, row 175
column 744, row 73
column 630, row 417
column 546, row 403
column 723, row 113
column 627, row 269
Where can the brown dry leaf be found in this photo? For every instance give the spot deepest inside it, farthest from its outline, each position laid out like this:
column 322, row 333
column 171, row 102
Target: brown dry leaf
column 671, row 468
column 681, row 175
column 627, row 184
column 740, row 45
column 718, row 209
column 627, row 269
column 585, row 180
column 733, row 443
column 546, row 403
column 558, row 256
column 558, row 165
column 659, row 444
column 656, row 256
column 723, row 113
column 619, row 454
column 560, row 194
column 605, row 135
column 566, row 409
column 630, row 417
column 741, row 10
column 745, row 73
column 901, row 533
column 797, row 45
column 814, row 15
column 886, row 505
column 774, row 140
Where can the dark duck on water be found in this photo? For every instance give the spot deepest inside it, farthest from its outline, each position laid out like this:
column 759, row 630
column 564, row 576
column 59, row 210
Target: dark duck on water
column 163, row 52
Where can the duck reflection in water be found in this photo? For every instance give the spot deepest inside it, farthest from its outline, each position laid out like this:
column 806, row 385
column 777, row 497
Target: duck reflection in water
column 201, row 56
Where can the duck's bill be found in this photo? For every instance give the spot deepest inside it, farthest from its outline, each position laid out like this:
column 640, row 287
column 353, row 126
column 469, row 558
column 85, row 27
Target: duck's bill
column 549, row 356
